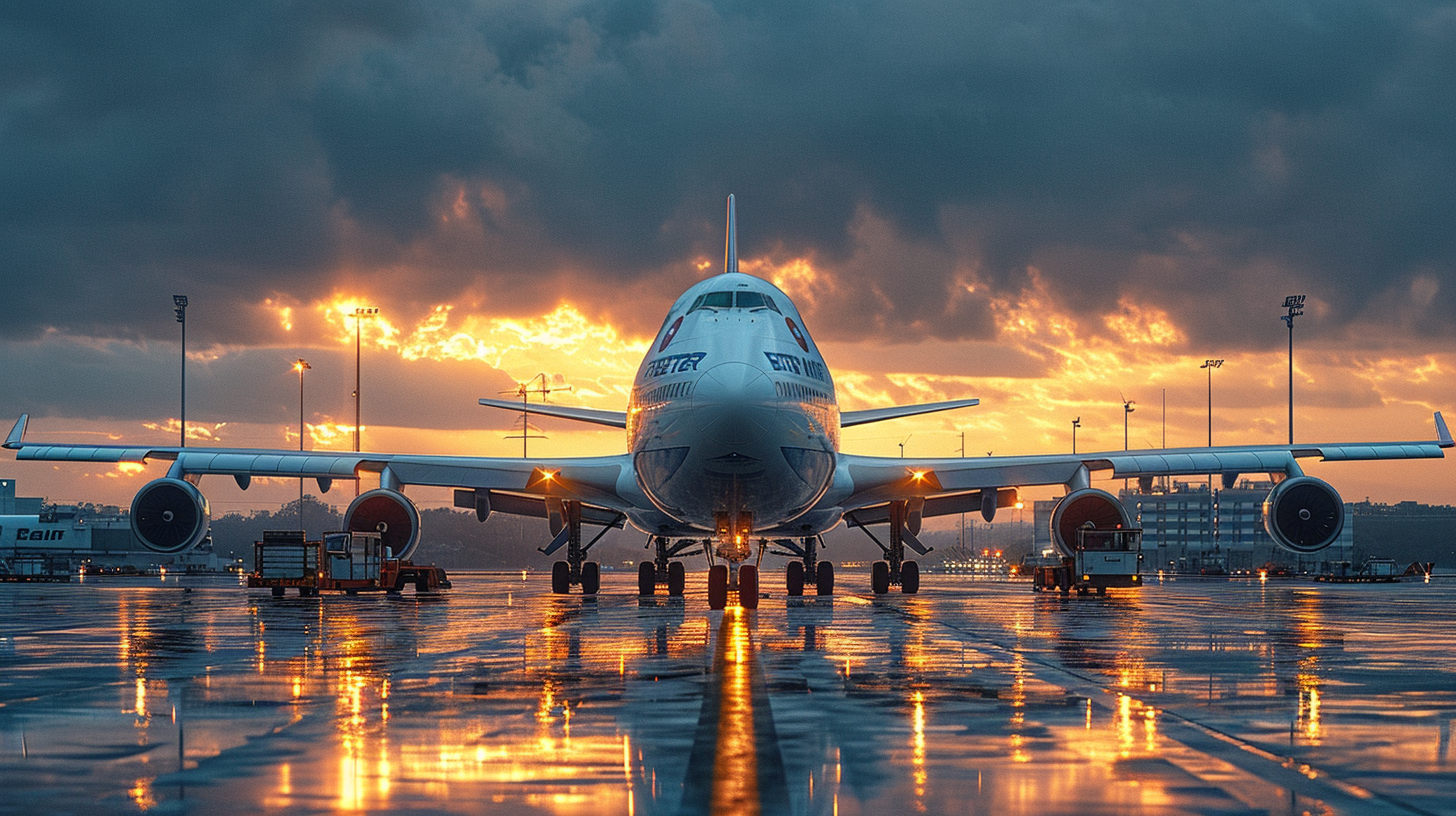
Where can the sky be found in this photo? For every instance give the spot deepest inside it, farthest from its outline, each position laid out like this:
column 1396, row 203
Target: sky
column 1052, row 207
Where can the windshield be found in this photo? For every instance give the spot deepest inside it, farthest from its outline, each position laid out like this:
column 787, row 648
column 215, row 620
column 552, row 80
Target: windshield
column 732, row 300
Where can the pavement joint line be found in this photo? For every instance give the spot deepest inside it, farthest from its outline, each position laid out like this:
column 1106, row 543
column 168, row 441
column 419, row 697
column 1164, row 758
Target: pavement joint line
column 1310, row 776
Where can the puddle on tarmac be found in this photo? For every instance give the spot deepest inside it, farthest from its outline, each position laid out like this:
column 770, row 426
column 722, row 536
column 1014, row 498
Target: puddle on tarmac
column 497, row 697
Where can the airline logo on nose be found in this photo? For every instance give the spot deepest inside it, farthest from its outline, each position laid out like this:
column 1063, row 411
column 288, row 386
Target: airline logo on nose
column 674, row 364
column 797, row 365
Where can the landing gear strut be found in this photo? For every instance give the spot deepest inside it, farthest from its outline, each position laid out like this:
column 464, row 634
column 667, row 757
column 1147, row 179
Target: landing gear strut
column 662, row 569
column 565, row 518
column 808, row 570
column 730, row 542
column 895, row 570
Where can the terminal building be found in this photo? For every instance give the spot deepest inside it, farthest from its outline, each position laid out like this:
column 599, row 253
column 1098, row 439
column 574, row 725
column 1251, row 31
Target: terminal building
column 1190, row 528
column 36, row 537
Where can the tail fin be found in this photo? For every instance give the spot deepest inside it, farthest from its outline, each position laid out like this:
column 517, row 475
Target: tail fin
column 730, row 250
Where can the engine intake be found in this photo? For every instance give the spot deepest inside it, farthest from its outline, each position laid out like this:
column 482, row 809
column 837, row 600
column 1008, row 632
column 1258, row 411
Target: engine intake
column 1082, row 507
column 1304, row 514
column 169, row 516
column 388, row 513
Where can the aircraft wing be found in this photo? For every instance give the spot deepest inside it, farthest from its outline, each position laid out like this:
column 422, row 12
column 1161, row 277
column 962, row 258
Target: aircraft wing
column 877, row 479
column 615, row 419
column 589, row 479
column 851, row 418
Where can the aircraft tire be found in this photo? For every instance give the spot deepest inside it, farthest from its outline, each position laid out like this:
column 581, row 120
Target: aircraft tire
column 560, row 577
column 825, row 584
column 717, row 586
column 646, row 578
column 794, row 580
column 591, row 578
column 910, row 577
column 880, row 577
column 677, row 578
column 748, row 586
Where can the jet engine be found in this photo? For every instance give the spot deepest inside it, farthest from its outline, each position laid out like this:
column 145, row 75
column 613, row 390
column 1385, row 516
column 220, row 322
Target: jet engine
column 169, row 516
column 388, row 513
column 1304, row 514
column 1080, row 508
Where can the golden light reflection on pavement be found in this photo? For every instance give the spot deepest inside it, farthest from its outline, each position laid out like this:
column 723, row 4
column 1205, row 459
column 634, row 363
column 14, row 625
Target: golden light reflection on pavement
column 502, row 698
column 735, row 760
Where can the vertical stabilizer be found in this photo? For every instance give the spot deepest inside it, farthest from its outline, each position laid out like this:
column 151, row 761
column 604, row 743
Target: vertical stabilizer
column 730, row 250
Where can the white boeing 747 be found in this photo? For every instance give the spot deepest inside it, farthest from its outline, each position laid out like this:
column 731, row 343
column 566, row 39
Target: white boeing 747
column 733, row 446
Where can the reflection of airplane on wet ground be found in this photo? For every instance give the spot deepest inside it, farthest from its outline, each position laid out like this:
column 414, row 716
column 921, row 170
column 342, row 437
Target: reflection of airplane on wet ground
column 733, row 445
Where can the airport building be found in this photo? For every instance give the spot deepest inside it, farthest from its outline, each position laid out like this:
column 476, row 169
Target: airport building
column 1188, row 528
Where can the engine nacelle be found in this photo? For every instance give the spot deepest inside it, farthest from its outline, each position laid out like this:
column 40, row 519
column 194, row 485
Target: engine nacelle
column 1304, row 514
column 169, row 516
column 1081, row 507
column 388, row 513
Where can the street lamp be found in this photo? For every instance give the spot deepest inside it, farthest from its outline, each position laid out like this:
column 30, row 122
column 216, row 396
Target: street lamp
column 1127, row 408
column 1211, row 365
column 1076, row 423
column 360, row 312
column 180, row 302
column 1295, row 305
column 300, row 366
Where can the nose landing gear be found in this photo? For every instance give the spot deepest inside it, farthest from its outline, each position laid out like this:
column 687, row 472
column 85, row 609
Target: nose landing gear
column 730, row 543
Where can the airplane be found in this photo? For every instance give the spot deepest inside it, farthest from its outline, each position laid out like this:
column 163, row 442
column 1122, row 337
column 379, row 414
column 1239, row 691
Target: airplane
column 733, row 439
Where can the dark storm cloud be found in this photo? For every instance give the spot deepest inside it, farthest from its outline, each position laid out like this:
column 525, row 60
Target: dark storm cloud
column 126, row 381
column 1205, row 157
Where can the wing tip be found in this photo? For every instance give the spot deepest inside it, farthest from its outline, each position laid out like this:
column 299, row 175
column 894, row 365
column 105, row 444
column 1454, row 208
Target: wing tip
column 1443, row 433
column 17, row 434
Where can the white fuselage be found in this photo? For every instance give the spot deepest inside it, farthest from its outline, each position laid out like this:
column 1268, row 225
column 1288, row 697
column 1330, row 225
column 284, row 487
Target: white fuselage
column 733, row 422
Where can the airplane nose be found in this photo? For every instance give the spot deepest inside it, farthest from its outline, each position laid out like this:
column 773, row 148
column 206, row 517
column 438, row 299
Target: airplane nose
column 736, row 403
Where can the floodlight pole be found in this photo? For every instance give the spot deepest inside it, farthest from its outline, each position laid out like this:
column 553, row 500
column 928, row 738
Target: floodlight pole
column 1211, row 365
column 1295, row 305
column 1076, row 423
column 300, row 366
column 1127, row 410
column 360, row 312
column 180, row 302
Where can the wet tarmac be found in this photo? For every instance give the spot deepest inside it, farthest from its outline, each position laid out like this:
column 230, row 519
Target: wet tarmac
column 1226, row 697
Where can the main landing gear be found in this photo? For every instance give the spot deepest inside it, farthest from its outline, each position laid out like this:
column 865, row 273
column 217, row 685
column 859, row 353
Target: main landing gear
column 565, row 519
column 896, row 570
column 662, row 569
column 808, row 570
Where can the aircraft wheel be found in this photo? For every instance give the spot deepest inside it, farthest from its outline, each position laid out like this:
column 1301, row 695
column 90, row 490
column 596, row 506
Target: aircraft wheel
column 560, row 577
column 910, row 577
column 880, row 577
column 591, row 578
column 646, row 578
column 825, row 584
column 718, row 586
column 795, row 579
column 748, row 586
column 677, row 578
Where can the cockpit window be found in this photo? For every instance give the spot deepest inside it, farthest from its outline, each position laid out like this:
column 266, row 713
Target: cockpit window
column 730, row 300
column 718, row 300
column 754, row 300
